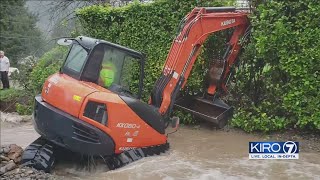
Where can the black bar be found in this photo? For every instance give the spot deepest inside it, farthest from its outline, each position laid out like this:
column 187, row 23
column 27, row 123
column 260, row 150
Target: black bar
column 220, row 9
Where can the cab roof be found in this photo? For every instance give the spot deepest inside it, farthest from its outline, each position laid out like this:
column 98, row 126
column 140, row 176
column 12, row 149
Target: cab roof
column 90, row 43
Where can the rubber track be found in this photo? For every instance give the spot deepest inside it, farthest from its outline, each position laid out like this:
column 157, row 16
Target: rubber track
column 129, row 156
column 39, row 155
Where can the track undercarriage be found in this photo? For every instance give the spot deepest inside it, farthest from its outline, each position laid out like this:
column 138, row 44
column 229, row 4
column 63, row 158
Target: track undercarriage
column 41, row 154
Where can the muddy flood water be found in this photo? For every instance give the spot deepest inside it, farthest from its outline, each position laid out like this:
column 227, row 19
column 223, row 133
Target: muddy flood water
column 195, row 153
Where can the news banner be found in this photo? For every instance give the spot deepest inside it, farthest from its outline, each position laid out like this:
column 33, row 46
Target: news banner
column 274, row 150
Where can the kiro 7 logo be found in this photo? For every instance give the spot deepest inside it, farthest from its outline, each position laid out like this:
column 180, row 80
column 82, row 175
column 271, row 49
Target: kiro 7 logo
column 274, row 150
column 290, row 147
column 228, row 22
column 128, row 125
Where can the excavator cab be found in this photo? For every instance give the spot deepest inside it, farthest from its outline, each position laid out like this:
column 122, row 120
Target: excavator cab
column 111, row 66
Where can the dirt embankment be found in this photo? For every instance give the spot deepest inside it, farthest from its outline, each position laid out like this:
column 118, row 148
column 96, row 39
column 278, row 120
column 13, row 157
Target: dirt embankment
column 14, row 118
column 11, row 154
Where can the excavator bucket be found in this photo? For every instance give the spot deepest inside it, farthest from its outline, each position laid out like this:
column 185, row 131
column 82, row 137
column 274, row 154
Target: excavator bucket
column 216, row 111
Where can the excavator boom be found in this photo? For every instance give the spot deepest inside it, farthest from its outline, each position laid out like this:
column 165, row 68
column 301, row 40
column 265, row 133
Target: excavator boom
column 194, row 30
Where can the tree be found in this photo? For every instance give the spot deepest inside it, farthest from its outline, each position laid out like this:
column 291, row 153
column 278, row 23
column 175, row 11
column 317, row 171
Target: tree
column 19, row 36
column 60, row 15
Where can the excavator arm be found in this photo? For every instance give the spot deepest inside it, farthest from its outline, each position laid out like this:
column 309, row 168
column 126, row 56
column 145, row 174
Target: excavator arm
column 194, row 30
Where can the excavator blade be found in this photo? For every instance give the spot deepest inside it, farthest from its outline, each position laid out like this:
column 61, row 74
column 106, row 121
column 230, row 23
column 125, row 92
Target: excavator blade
column 216, row 111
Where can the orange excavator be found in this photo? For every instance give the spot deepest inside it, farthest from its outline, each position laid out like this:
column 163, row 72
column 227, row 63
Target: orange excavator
column 92, row 105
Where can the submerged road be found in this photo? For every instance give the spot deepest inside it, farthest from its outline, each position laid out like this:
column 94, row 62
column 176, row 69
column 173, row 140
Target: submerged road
column 196, row 153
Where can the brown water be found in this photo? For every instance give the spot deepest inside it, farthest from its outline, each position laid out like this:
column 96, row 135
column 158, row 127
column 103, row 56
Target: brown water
column 194, row 154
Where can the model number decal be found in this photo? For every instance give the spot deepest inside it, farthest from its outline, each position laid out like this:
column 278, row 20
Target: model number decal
column 128, row 125
column 228, row 22
column 126, row 148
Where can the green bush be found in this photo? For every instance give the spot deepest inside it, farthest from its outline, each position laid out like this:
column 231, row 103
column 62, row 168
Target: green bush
column 24, row 109
column 279, row 85
column 33, row 75
column 149, row 28
column 9, row 98
column 47, row 65
column 9, row 94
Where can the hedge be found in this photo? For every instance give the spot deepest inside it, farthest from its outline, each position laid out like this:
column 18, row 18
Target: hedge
column 280, row 83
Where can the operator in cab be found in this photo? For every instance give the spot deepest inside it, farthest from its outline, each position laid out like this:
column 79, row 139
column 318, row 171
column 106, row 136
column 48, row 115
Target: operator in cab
column 107, row 74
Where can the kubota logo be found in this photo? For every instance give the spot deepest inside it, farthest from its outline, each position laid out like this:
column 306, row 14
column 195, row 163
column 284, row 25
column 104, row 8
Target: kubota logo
column 128, row 125
column 228, row 22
